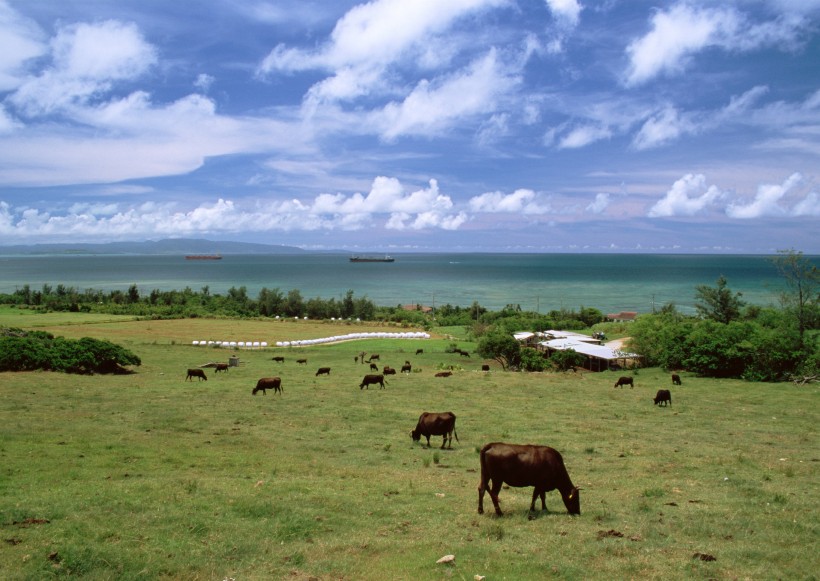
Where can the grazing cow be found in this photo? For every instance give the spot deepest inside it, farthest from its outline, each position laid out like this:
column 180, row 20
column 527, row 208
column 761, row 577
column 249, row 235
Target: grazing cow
column 374, row 367
column 676, row 379
column 279, row 358
column 436, row 424
column 525, row 465
column 372, row 380
column 373, row 357
column 406, row 368
column 388, row 370
column 444, row 374
column 662, row 397
column 485, row 367
column 221, row 367
column 301, row 361
column 274, row 383
column 323, row 371
column 624, row 381
column 196, row 373
column 462, row 352
column 419, row 351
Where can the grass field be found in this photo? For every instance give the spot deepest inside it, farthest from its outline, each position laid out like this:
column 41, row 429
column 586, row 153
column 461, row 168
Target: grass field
column 147, row 476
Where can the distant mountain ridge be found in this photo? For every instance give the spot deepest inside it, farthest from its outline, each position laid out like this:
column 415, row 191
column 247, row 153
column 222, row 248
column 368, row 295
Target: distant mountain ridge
column 169, row 246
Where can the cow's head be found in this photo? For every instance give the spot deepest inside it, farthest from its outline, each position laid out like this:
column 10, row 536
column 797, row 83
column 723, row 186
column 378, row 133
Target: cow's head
column 416, row 435
column 572, row 500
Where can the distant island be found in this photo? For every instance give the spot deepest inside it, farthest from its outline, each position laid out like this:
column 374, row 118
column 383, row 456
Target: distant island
column 170, row 246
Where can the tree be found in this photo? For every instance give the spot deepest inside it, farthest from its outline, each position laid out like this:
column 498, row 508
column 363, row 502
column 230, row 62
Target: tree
column 567, row 359
column 718, row 303
column 802, row 294
column 501, row 347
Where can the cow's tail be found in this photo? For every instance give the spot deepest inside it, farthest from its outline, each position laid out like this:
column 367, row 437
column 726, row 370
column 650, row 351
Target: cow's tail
column 455, row 433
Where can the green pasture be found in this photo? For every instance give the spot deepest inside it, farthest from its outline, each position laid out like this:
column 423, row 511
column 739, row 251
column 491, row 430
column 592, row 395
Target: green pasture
column 149, row 476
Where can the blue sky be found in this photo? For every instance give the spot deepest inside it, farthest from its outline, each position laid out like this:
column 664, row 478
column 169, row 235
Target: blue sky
column 390, row 125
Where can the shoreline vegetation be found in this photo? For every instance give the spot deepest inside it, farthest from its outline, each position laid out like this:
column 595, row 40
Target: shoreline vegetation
column 726, row 338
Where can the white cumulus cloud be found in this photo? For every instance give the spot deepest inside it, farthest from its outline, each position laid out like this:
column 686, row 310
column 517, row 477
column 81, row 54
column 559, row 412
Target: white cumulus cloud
column 683, row 30
column 769, row 202
column 688, row 196
column 81, row 69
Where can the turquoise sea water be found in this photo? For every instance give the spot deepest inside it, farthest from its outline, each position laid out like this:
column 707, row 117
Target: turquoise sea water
column 609, row 282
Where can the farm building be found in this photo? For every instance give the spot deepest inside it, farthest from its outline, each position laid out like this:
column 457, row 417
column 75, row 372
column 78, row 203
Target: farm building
column 599, row 357
column 622, row 317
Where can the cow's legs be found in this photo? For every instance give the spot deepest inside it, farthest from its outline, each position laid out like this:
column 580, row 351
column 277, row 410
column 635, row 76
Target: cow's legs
column 481, row 487
column 496, row 488
column 538, row 492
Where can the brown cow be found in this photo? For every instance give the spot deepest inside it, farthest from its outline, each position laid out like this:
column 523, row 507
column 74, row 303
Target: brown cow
column 372, row 357
column 388, row 370
column 274, row 383
column 624, row 381
column 444, row 374
column 301, row 361
column 221, row 367
column 372, row 380
column 406, row 368
column 525, row 465
column 279, row 359
column 662, row 397
column 323, row 371
column 196, row 373
column 374, row 367
column 419, row 351
column 436, row 424
column 676, row 379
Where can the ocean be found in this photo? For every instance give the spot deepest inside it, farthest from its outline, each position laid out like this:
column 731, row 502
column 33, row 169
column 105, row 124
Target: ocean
column 536, row 282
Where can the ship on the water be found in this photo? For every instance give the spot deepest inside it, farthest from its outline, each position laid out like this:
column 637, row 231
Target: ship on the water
column 361, row 258
column 203, row 257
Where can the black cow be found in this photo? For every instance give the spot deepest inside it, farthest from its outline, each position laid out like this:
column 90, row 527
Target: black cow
column 436, row 424
column 485, row 367
column 323, row 371
column 525, row 465
column 279, row 358
column 196, row 373
column 372, row 380
column 676, row 379
column 221, row 367
column 406, row 368
column 374, row 367
column 624, row 381
column 274, row 383
column 662, row 397
column 419, row 351
column 444, row 374
column 301, row 361
column 372, row 358
column 388, row 370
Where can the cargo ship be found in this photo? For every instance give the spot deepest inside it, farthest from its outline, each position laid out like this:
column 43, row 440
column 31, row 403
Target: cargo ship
column 360, row 258
column 203, row 257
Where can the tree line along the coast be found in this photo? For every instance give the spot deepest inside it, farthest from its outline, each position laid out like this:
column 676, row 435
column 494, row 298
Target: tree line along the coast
column 725, row 338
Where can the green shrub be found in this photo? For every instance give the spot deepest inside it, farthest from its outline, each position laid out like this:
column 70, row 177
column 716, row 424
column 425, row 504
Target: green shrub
column 28, row 351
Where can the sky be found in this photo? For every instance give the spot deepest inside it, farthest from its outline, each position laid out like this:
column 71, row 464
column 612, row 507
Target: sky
column 414, row 126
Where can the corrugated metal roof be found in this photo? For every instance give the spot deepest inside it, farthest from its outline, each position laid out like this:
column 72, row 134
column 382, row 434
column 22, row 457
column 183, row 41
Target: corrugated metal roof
column 599, row 351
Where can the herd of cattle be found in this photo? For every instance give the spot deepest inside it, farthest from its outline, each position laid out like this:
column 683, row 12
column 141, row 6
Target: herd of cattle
column 517, row 465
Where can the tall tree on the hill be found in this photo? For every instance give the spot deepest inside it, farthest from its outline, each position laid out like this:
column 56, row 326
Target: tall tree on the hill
column 718, row 303
column 802, row 294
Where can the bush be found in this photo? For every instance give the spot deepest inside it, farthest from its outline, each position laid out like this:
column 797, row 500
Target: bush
column 24, row 351
column 567, row 359
column 532, row 360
